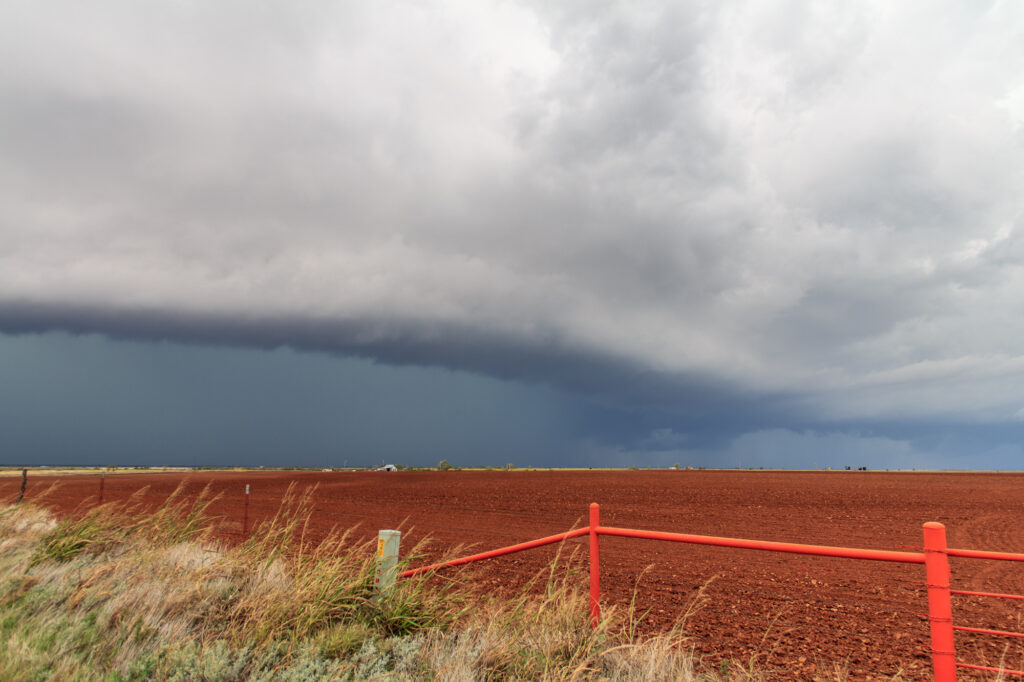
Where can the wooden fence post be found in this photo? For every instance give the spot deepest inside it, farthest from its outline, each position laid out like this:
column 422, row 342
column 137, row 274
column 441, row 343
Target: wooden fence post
column 24, row 482
column 940, row 608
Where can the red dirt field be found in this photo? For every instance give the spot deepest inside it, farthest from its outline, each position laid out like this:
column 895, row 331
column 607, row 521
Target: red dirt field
column 788, row 614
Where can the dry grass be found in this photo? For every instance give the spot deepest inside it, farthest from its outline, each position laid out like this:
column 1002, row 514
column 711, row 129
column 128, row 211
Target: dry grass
column 113, row 594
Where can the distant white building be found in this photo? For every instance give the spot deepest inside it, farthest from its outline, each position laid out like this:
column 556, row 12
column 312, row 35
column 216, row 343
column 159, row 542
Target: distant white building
column 388, row 467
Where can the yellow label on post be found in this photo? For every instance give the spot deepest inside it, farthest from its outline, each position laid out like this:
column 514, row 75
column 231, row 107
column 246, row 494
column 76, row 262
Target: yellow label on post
column 380, row 547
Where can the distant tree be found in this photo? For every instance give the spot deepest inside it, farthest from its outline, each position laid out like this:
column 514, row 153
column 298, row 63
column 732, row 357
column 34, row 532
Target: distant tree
column 443, row 465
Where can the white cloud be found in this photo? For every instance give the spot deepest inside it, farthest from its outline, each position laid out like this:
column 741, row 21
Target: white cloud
column 820, row 201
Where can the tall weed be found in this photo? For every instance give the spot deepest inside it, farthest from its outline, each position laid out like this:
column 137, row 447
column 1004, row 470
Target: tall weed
column 114, row 592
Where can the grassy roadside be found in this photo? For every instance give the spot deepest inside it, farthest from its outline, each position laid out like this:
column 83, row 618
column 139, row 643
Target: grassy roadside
column 117, row 595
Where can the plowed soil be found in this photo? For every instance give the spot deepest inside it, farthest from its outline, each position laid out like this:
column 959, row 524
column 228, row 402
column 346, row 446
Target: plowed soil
column 795, row 616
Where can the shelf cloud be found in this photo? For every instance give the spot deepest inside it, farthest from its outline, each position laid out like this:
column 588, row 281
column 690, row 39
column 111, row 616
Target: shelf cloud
column 759, row 207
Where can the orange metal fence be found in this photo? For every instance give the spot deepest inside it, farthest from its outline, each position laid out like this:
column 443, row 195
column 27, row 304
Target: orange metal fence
column 934, row 556
column 992, row 556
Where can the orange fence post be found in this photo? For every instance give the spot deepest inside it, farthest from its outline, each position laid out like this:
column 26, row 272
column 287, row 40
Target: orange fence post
column 940, row 609
column 595, row 566
column 103, row 476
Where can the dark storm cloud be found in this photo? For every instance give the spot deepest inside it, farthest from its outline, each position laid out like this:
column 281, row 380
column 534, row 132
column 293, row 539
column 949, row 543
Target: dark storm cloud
column 604, row 379
column 771, row 212
column 91, row 400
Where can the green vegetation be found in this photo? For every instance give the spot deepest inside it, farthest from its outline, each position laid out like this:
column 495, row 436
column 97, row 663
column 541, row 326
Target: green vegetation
column 114, row 594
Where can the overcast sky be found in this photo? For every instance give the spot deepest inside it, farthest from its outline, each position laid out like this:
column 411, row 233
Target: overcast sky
column 736, row 233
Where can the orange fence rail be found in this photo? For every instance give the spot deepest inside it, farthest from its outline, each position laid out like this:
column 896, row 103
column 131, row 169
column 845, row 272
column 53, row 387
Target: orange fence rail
column 934, row 557
column 550, row 540
column 977, row 554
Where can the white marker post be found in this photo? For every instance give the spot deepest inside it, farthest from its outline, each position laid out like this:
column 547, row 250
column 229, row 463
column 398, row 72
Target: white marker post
column 387, row 559
column 245, row 513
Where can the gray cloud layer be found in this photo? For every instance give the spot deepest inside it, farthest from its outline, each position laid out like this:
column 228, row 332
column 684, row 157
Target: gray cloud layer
column 819, row 206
